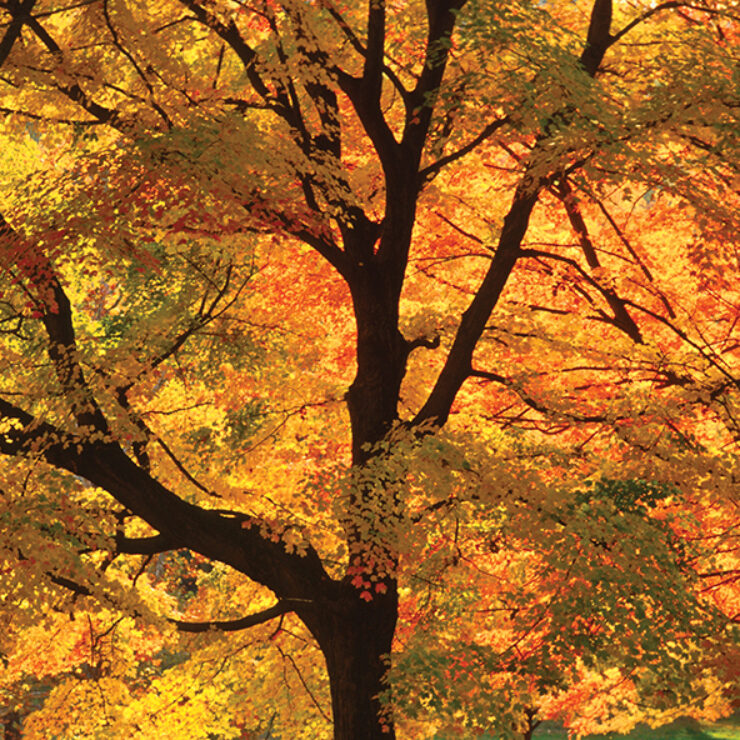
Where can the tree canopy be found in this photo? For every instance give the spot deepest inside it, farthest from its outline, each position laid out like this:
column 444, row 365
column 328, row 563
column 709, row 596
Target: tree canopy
column 368, row 369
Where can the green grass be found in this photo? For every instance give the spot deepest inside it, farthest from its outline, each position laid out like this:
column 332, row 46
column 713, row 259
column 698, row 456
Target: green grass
column 683, row 729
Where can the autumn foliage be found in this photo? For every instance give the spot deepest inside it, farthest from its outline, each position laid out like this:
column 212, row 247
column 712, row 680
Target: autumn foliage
column 368, row 369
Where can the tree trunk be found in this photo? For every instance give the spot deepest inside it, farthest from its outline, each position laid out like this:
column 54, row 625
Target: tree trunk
column 372, row 399
column 12, row 726
column 355, row 638
column 355, row 634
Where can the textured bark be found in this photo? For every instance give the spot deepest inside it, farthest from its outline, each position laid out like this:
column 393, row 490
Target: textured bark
column 355, row 638
column 381, row 361
column 12, row 726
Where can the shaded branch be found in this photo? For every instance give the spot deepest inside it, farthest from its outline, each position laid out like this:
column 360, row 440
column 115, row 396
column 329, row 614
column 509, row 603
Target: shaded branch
column 69, row 584
column 204, row 316
column 598, row 38
column 412, row 344
column 62, row 350
column 324, row 149
column 647, row 14
column 325, row 246
column 9, row 411
column 119, row 45
column 618, row 231
column 182, row 468
column 278, row 102
column 228, row 537
column 457, row 366
column 372, row 69
column 55, row 311
column 252, row 620
column 20, row 15
column 74, row 92
column 622, row 318
column 144, row 545
column 441, row 18
column 618, row 305
column 318, row 706
column 533, row 403
column 344, row 26
column 46, row 119
column 284, row 102
column 713, row 359
column 431, row 170
column 359, row 46
column 467, row 234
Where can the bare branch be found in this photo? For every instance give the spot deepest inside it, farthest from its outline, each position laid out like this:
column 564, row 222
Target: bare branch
column 229, row 537
column 144, row 545
column 441, row 18
column 74, row 92
column 620, row 233
column 69, row 584
column 622, row 318
column 533, row 403
column 119, row 45
column 278, row 101
column 413, row 344
column 372, row 69
column 431, row 170
column 183, row 469
column 252, row 620
column 37, row 117
column 318, row 706
column 20, row 15
column 457, row 366
column 644, row 16
column 598, row 39
column 55, row 312
column 359, row 46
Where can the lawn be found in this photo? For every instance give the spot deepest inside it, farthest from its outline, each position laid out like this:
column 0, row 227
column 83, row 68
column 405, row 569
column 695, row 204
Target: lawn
column 684, row 729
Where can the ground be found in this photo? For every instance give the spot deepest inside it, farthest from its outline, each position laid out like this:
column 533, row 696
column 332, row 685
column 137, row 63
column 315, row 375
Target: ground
column 728, row 729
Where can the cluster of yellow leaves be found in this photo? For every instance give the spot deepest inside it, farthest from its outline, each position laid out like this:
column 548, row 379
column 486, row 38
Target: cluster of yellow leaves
column 251, row 415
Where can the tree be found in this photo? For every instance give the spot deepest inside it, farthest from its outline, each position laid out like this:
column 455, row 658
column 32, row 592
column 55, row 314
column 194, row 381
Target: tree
column 524, row 318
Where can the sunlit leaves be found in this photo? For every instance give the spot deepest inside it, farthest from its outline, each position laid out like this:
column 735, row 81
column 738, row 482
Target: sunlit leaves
column 565, row 548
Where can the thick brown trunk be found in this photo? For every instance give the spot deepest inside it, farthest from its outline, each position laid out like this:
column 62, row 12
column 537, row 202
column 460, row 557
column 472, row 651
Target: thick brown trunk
column 381, row 361
column 12, row 726
column 355, row 637
column 355, row 634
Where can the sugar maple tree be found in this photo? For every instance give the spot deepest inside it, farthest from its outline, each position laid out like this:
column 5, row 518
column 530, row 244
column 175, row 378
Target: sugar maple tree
column 402, row 336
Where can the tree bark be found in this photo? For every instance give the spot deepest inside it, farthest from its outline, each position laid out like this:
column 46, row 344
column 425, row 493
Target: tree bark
column 355, row 638
column 375, row 285
column 12, row 726
column 356, row 635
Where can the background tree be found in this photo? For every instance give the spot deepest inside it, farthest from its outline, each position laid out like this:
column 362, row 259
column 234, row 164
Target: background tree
column 409, row 322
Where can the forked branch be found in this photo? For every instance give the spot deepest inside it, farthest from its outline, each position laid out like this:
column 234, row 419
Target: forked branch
column 21, row 13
